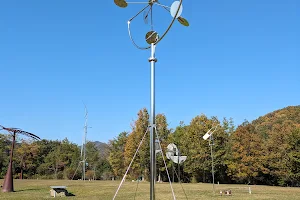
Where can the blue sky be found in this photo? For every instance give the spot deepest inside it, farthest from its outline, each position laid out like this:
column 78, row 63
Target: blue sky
column 238, row 59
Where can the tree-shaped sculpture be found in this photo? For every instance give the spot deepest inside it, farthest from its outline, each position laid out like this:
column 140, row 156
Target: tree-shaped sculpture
column 8, row 185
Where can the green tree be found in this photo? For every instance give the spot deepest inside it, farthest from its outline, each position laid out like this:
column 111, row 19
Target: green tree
column 92, row 155
column 116, row 155
column 4, row 154
column 198, row 163
column 62, row 156
column 97, row 163
column 26, row 158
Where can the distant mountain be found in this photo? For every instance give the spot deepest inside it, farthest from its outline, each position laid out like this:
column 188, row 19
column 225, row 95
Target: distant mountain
column 103, row 148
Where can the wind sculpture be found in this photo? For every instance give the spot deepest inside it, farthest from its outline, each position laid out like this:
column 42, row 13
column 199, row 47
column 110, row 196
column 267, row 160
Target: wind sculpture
column 8, row 184
column 209, row 134
column 83, row 148
column 152, row 39
column 174, row 155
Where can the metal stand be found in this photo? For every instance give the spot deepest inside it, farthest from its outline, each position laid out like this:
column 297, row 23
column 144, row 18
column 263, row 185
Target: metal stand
column 211, row 143
column 152, row 60
column 8, row 185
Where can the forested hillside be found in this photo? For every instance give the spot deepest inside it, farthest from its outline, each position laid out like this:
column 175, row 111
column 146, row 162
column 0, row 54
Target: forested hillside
column 265, row 151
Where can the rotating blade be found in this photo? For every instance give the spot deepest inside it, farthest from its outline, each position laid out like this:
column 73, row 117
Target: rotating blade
column 121, row 3
column 178, row 159
column 151, row 37
column 206, row 136
column 29, row 135
column 146, row 16
column 183, row 21
column 174, row 8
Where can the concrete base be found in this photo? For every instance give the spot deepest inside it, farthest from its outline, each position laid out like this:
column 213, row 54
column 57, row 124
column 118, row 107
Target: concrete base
column 58, row 192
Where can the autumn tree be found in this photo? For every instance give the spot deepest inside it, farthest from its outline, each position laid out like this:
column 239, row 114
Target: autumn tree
column 163, row 133
column 247, row 164
column 281, row 150
column 294, row 157
column 141, row 163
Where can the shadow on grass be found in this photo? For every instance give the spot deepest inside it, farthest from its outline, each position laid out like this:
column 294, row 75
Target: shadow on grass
column 32, row 189
column 70, row 194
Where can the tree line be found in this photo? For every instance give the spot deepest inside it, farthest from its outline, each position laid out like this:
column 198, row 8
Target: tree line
column 265, row 151
column 48, row 159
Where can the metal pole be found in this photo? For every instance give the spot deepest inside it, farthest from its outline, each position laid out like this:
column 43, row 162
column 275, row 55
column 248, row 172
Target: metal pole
column 178, row 166
column 173, row 171
column 152, row 60
column 212, row 161
column 84, row 152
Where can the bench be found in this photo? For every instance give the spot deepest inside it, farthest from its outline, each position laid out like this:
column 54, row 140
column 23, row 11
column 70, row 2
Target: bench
column 58, row 191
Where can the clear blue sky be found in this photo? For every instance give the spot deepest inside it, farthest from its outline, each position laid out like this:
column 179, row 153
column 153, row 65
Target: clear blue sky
column 238, row 59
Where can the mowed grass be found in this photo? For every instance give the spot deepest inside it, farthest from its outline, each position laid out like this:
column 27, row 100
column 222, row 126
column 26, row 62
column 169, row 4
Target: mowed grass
column 39, row 189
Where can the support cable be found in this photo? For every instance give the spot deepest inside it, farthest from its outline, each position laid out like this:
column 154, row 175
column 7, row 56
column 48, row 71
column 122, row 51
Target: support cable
column 174, row 198
column 76, row 170
column 123, row 179
column 181, row 185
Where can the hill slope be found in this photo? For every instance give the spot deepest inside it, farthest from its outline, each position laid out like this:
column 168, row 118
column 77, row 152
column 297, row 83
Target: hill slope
column 285, row 119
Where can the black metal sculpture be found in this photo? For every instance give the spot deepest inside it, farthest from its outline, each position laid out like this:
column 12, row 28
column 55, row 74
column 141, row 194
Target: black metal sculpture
column 8, row 185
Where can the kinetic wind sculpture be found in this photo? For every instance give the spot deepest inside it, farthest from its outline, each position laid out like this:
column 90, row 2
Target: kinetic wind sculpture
column 8, row 184
column 209, row 135
column 173, row 154
column 152, row 38
column 83, row 147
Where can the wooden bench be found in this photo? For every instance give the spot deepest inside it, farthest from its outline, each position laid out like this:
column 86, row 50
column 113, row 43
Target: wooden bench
column 60, row 191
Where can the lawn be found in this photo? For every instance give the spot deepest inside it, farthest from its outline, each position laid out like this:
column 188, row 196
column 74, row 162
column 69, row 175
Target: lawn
column 39, row 189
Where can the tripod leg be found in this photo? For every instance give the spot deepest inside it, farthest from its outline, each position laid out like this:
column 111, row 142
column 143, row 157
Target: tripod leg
column 76, row 170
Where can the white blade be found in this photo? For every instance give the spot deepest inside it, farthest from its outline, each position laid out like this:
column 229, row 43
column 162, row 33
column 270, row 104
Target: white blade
column 174, row 8
column 179, row 159
column 207, row 135
column 171, row 150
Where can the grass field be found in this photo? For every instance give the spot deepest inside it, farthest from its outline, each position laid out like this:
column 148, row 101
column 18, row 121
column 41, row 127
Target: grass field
column 39, row 189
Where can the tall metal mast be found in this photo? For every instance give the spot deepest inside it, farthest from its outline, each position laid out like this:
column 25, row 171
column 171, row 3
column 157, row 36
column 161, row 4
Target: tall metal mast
column 83, row 147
